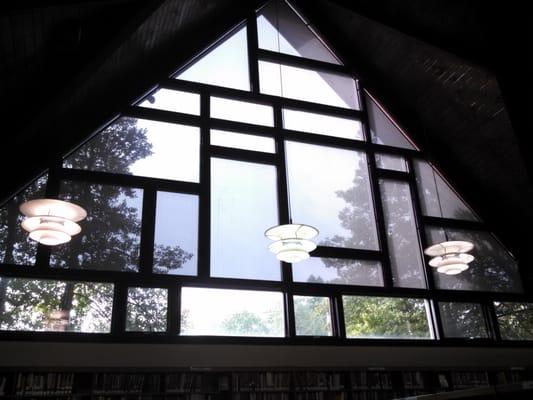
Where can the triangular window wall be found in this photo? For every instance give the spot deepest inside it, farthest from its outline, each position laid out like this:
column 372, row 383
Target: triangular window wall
column 182, row 186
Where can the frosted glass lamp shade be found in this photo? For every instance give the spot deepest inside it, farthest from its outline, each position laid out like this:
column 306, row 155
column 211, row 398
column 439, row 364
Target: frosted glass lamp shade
column 450, row 257
column 51, row 222
column 292, row 242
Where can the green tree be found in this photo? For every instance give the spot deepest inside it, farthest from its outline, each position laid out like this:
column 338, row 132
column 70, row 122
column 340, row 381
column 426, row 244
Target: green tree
column 245, row 323
column 313, row 316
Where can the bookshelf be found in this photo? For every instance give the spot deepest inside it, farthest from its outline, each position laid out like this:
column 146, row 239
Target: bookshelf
column 250, row 384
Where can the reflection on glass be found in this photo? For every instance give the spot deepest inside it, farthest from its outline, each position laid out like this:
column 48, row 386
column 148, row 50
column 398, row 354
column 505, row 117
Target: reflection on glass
column 402, row 236
column 382, row 129
column 45, row 305
column 437, row 198
column 330, row 189
column 463, row 320
column 340, row 271
column 391, row 162
column 222, row 312
column 144, row 148
column 173, row 100
column 280, row 29
column 176, row 234
column 146, row 310
column 226, row 65
column 493, row 270
column 312, row 316
column 307, row 85
column 515, row 320
column 243, row 206
column 242, row 141
column 111, row 233
column 385, row 317
column 242, row 111
column 15, row 245
column 322, row 124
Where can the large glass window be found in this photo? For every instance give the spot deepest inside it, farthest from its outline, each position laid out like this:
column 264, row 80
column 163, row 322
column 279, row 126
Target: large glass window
column 322, row 124
column 391, row 162
column 493, row 270
column 308, row 85
column 146, row 310
column 330, row 189
column 242, row 141
column 242, row 111
column 402, row 236
column 313, row 316
column 144, row 148
column 49, row 305
column 231, row 312
column 463, row 320
column 515, row 320
column 176, row 234
column 173, row 100
column 111, row 233
column 243, row 206
column 340, row 271
column 385, row 317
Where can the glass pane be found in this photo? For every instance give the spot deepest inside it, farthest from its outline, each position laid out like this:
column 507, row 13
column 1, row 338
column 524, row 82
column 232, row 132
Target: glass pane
column 222, row 312
column 312, row 316
column 243, row 141
column 322, row 124
column 15, row 245
column 463, row 320
column 242, row 111
column 243, row 206
column 330, row 190
column 515, row 320
column 45, row 305
column 402, row 235
column 173, row 100
column 339, row 271
column 437, row 198
column 280, row 29
column 176, row 234
column 308, row 85
column 110, row 235
column 385, row 317
column 382, row 129
column 226, row 65
column 147, row 309
column 142, row 147
column 493, row 270
column 391, row 162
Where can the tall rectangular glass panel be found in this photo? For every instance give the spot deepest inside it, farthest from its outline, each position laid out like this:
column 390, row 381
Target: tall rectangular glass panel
column 243, row 206
column 338, row 271
column 493, row 269
column 322, row 124
column 223, row 312
column 330, row 189
column 386, row 318
column 463, row 320
column 242, row 111
column 176, row 234
column 146, row 309
column 515, row 320
column 402, row 236
column 312, row 316
column 110, row 235
column 58, row 306
column 142, row 147
column 308, row 85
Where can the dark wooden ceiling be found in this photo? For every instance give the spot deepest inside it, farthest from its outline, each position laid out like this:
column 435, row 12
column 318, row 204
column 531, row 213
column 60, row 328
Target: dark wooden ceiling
column 453, row 73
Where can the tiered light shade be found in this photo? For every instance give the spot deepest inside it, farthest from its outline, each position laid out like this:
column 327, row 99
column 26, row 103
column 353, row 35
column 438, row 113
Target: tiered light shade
column 292, row 242
column 50, row 221
column 450, row 257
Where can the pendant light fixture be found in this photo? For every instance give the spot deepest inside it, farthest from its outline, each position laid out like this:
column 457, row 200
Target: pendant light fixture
column 50, row 221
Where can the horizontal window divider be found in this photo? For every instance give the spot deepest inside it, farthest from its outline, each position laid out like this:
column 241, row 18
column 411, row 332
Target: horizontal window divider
column 306, row 63
column 393, row 175
column 236, row 284
column 242, row 155
column 242, row 127
column 470, row 296
column 331, row 141
column 330, row 289
column 183, row 88
column 161, row 115
column 439, row 222
column 135, row 181
column 382, row 148
column 343, row 252
column 266, row 99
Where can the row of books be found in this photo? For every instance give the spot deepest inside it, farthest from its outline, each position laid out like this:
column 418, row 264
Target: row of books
column 48, row 383
column 260, row 396
column 196, row 383
column 118, row 383
column 318, row 381
column 362, row 380
column 316, row 395
column 468, row 379
column 251, row 381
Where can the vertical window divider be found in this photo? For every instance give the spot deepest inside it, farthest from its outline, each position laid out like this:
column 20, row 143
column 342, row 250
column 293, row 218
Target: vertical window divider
column 435, row 319
column 491, row 320
column 146, row 257
column 253, row 60
column 173, row 310
column 339, row 328
column 119, row 313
